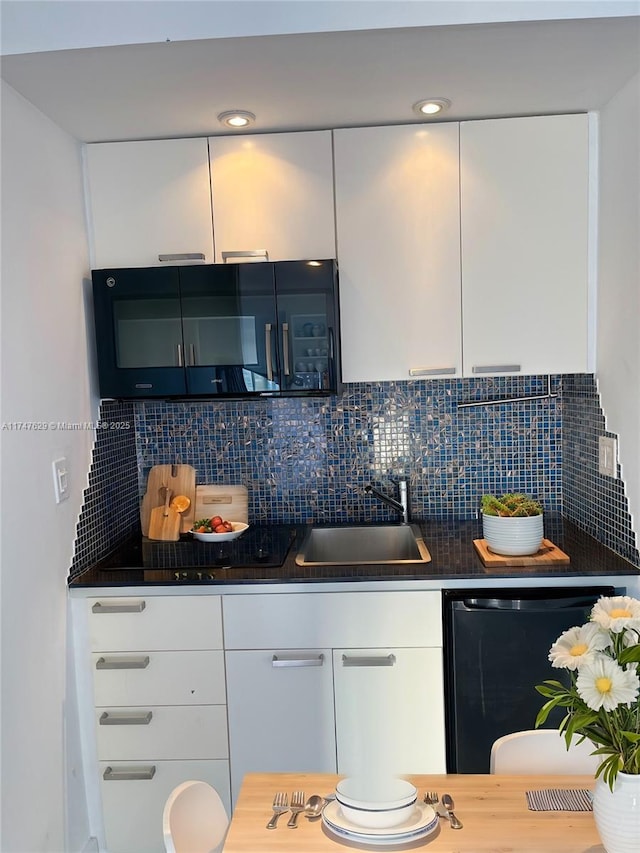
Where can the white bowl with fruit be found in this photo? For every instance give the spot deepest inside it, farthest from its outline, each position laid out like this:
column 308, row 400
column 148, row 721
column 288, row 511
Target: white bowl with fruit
column 217, row 529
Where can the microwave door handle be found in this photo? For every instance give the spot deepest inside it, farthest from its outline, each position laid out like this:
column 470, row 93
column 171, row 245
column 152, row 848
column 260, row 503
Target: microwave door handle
column 267, row 344
column 285, row 347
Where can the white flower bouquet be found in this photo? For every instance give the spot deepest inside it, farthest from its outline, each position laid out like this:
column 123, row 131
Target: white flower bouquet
column 602, row 700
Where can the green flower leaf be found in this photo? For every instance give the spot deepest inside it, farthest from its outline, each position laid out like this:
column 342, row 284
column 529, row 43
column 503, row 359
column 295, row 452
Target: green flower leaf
column 629, row 655
column 632, row 737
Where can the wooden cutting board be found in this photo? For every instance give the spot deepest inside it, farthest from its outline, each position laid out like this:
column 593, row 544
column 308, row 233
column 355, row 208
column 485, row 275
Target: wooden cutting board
column 231, row 502
column 181, row 479
column 164, row 522
column 548, row 555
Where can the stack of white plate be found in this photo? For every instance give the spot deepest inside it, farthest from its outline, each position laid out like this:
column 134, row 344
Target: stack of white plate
column 379, row 812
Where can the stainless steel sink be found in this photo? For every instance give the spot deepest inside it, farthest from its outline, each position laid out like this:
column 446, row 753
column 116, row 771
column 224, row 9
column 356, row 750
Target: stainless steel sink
column 356, row 545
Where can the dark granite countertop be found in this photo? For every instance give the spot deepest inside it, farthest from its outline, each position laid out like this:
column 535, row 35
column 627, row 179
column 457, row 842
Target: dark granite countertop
column 266, row 555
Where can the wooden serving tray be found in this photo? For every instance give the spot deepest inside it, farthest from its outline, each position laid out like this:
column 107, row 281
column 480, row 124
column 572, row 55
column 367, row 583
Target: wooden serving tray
column 548, row 555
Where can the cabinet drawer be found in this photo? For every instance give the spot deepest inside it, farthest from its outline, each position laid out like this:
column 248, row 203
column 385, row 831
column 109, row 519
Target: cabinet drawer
column 155, row 622
column 395, row 691
column 139, row 734
column 294, row 687
column 310, row 620
column 159, row 678
column 133, row 807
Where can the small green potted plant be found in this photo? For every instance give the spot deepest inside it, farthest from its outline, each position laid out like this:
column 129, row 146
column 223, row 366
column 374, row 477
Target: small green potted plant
column 512, row 524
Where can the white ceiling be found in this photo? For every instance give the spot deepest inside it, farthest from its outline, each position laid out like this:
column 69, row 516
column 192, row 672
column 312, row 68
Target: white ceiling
column 329, row 79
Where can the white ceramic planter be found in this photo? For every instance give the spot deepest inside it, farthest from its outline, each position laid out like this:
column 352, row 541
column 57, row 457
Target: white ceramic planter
column 617, row 813
column 513, row 537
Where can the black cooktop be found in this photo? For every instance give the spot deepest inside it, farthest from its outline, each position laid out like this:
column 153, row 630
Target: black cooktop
column 259, row 546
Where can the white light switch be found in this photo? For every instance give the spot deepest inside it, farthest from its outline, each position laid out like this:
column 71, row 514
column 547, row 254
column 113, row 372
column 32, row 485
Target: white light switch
column 607, row 456
column 61, row 479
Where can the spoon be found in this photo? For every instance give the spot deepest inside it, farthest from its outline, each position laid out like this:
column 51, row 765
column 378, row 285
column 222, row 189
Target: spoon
column 313, row 807
column 447, row 802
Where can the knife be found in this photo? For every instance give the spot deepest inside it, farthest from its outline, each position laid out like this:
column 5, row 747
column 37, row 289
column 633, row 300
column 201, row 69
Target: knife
column 447, row 803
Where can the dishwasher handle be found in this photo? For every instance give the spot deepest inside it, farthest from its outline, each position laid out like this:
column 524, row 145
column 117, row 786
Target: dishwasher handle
column 529, row 605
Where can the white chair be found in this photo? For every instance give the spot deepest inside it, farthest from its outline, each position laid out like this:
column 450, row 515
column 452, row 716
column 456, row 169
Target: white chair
column 194, row 819
column 541, row 751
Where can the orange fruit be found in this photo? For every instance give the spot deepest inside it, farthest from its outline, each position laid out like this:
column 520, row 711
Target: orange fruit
column 180, row 503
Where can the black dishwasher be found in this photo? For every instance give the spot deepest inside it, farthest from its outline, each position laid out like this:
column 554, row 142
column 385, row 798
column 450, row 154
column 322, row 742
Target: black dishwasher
column 496, row 648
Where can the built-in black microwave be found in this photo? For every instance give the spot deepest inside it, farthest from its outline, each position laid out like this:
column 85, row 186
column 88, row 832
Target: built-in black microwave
column 218, row 330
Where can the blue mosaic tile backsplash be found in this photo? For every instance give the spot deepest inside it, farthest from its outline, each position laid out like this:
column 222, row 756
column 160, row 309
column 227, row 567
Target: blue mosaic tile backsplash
column 596, row 503
column 309, row 459
column 111, row 508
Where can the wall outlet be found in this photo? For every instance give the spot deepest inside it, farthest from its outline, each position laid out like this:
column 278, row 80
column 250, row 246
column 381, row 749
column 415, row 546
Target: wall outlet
column 607, row 456
column 61, row 479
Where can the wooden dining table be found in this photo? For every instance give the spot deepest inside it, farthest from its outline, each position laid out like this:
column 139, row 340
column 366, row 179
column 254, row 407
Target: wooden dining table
column 492, row 808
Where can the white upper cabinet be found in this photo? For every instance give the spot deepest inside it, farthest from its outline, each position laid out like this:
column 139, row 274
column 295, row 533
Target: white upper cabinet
column 148, row 199
column 524, row 199
column 273, row 192
column 398, row 240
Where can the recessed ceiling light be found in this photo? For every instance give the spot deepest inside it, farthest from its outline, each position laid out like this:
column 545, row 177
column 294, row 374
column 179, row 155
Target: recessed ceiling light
column 431, row 106
column 236, row 118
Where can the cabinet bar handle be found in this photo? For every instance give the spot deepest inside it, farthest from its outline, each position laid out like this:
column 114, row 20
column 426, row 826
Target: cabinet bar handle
column 496, row 368
column 285, row 347
column 119, row 607
column 267, row 344
column 126, row 718
column 182, row 256
column 373, row 660
column 285, row 660
column 252, row 255
column 192, row 354
column 431, row 371
column 180, row 359
column 123, row 662
column 126, row 774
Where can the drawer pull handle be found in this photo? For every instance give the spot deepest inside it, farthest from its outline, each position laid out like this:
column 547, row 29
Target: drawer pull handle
column 251, row 256
column 496, row 368
column 130, row 718
column 126, row 774
column 123, row 662
column 123, row 607
column 373, row 660
column 285, row 660
column 182, row 256
column 431, row 371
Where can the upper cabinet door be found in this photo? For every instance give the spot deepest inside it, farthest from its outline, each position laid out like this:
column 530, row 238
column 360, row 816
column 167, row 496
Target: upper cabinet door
column 273, row 192
column 149, row 199
column 524, row 197
column 398, row 234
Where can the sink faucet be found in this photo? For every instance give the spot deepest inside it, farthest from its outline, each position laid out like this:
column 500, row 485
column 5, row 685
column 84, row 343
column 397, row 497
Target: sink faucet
column 401, row 505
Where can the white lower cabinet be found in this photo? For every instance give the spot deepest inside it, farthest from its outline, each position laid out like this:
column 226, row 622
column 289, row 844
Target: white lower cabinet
column 160, row 708
column 389, row 711
column 334, row 682
column 134, row 794
column 280, row 712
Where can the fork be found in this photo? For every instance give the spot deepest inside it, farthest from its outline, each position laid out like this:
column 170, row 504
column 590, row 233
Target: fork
column 431, row 798
column 297, row 805
column 280, row 806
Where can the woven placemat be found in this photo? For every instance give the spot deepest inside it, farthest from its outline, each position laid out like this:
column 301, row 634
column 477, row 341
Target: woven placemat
column 560, row 800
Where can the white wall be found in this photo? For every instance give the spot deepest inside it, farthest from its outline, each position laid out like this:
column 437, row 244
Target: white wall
column 44, row 378
column 618, row 341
